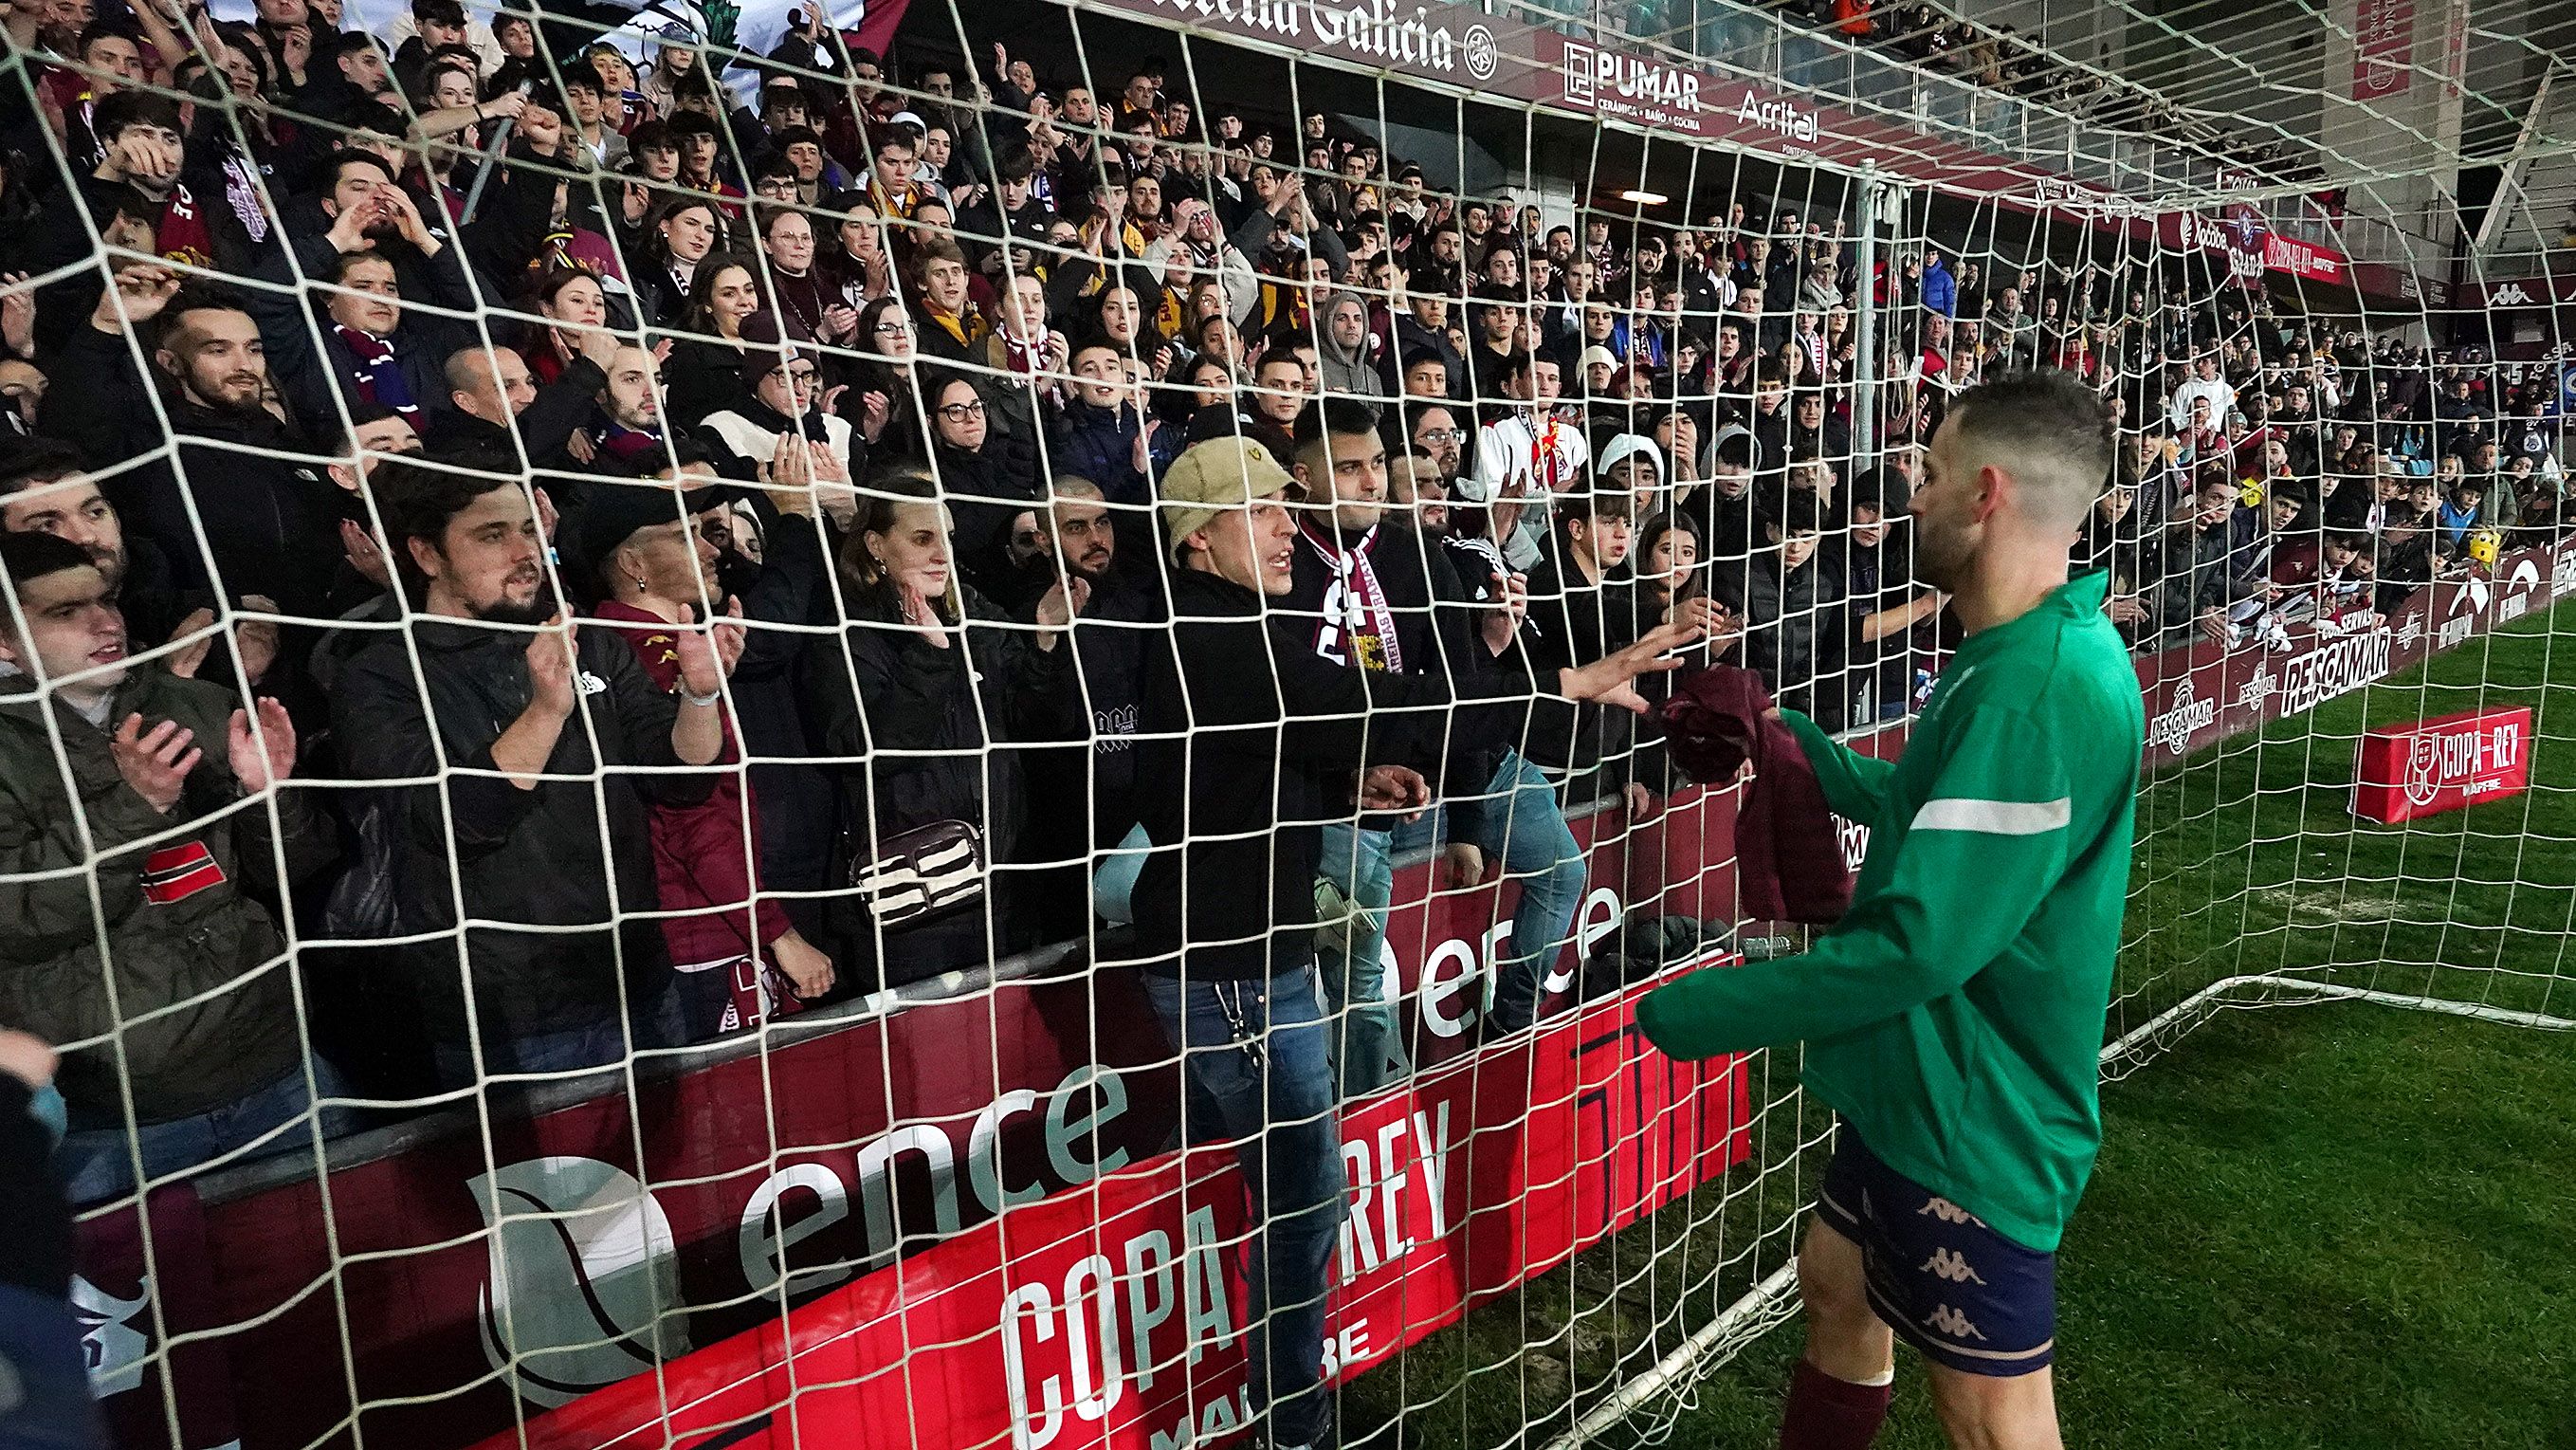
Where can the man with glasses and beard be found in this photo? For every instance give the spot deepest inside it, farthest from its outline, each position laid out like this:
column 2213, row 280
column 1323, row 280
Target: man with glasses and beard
column 530, row 819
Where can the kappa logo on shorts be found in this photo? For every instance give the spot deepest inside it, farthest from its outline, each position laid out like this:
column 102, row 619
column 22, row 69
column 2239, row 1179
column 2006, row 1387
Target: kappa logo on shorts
column 1953, row 1267
column 1951, row 1322
column 1948, row 1212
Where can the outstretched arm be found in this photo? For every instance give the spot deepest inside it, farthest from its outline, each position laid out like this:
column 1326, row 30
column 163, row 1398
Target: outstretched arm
column 1990, row 843
column 1855, row 785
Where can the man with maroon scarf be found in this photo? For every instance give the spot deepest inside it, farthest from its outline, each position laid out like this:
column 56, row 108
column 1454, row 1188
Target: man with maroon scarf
column 735, row 956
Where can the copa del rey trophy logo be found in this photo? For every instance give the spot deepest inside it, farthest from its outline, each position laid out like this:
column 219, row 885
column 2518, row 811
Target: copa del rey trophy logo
column 2424, row 770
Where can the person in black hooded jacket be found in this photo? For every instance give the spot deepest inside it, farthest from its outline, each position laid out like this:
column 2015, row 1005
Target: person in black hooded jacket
column 535, row 818
column 271, row 523
column 1249, row 740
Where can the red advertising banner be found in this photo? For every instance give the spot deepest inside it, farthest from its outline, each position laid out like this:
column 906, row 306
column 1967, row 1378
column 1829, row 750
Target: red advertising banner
column 2445, row 764
column 2383, row 46
column 1112, row 1315
column 2252, row 248
column 2306, row 260
column 2201, row 694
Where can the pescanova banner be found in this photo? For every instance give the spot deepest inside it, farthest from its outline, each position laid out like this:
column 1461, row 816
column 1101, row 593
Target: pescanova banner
column 2203, row 693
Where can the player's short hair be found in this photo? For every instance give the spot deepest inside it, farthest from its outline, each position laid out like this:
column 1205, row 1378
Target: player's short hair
column 2053, row 428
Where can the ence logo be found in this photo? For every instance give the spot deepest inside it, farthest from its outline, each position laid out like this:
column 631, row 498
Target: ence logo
column 584, row 1289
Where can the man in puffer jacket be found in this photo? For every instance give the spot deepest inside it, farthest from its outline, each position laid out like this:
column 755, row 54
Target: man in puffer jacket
column 146, row 783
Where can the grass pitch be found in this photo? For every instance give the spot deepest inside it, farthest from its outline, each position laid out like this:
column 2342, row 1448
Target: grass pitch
column 2312, row 1226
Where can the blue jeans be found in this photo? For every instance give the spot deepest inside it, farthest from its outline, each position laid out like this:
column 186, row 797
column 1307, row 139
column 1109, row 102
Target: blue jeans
column 1254, row 1052
column 1525, row 829
column 1351, row 954
column 95, row 1164
column 51, row 1408
column 568, row 1049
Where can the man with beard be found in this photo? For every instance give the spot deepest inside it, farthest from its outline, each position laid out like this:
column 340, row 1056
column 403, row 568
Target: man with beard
column 136, row 772
column 1954, row 1015
column 628, row 429
column 1078, row 532
column 1364, row 599
column 530, row 820
column 270, row 524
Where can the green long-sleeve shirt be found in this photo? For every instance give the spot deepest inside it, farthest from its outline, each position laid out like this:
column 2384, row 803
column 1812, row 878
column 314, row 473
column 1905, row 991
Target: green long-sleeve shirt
column 1954, row 1015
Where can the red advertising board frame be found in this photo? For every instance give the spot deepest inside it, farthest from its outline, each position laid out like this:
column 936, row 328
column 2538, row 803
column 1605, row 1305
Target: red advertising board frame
column 1110, row 1316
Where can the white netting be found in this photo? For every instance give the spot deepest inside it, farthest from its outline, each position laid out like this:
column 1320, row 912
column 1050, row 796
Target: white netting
column 347, row 391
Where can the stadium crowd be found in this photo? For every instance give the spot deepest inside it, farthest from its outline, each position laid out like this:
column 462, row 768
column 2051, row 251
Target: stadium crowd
column 1059, row 496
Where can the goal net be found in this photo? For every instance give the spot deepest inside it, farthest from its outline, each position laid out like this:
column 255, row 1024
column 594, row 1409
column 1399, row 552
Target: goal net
column 669, row 783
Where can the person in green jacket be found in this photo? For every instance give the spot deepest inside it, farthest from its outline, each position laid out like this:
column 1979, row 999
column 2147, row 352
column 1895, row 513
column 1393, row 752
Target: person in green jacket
column 131, row 867
column 1954, row 1016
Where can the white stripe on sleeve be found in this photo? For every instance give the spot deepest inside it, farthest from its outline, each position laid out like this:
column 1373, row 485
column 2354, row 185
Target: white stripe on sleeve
column 1995, row 818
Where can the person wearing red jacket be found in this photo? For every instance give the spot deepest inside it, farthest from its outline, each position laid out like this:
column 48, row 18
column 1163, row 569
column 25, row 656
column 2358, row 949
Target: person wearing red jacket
column 736, row 957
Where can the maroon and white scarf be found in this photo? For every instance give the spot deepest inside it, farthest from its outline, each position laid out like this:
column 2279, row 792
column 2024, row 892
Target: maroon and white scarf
column 1358, row 626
